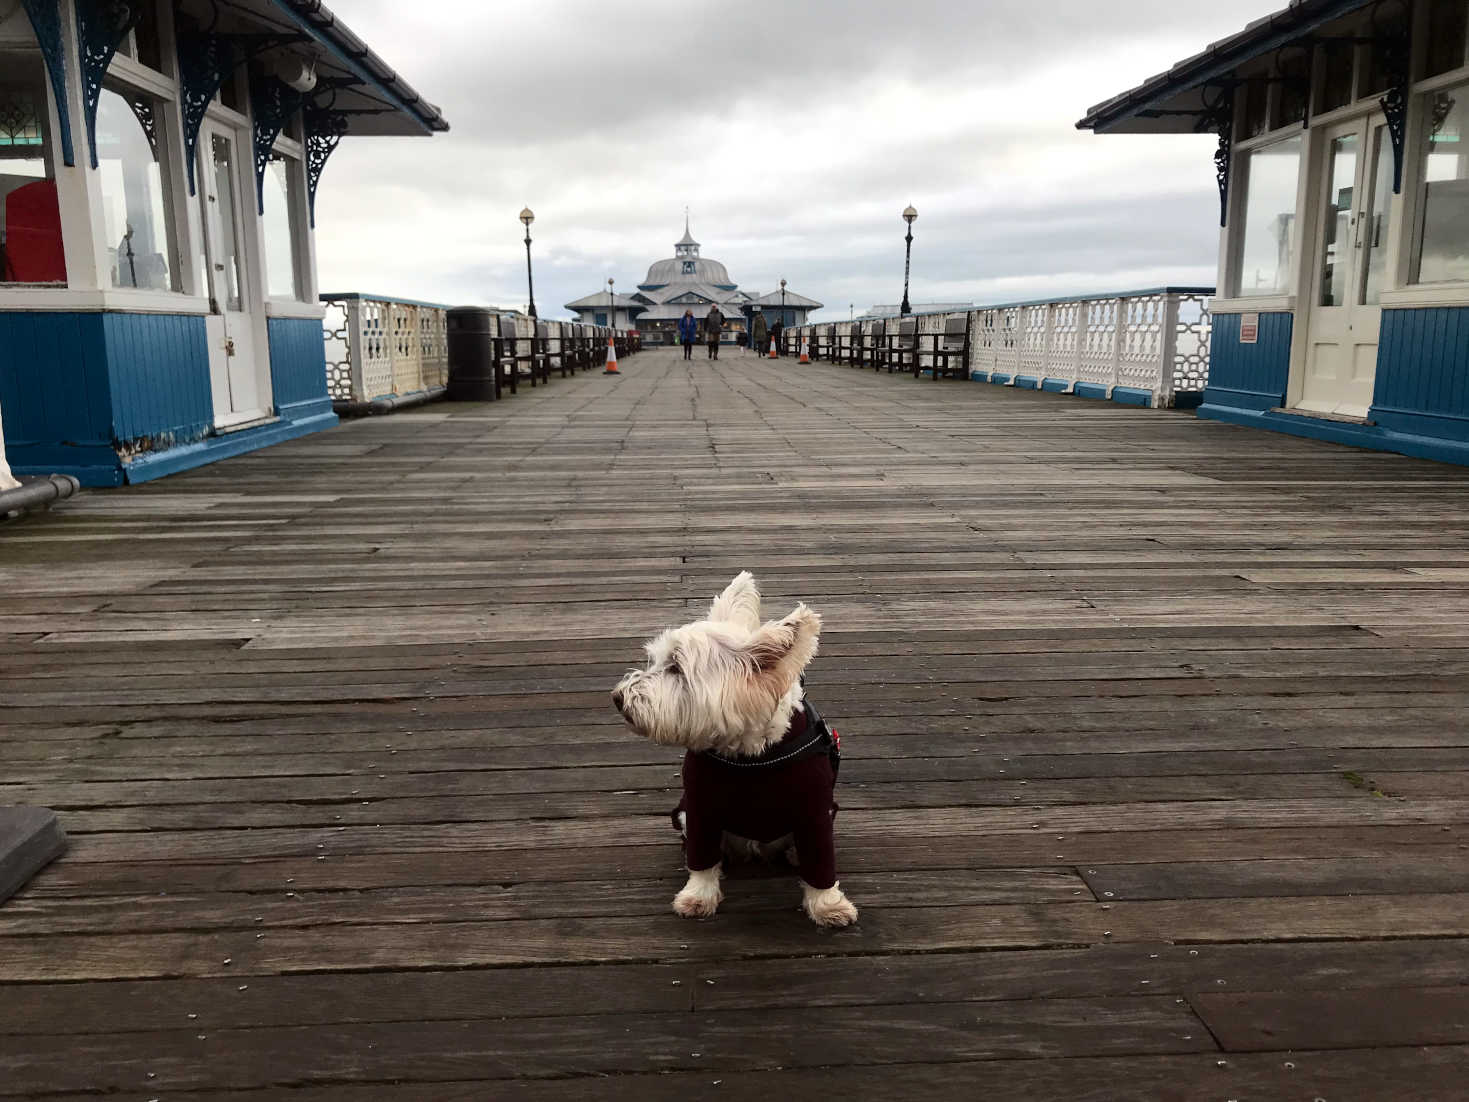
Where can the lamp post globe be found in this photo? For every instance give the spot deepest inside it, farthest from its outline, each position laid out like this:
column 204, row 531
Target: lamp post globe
column 908, row 215
column 527, row 216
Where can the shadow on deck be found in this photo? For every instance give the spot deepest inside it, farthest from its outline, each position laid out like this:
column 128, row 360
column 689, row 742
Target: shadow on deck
column 1156, row 780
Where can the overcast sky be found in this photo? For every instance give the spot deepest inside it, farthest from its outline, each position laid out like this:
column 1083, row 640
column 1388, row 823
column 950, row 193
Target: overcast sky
column 795, row 132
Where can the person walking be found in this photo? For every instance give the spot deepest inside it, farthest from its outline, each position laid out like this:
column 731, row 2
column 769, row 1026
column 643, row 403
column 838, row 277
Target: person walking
column 713, row 326
column 775, row 334
column 759, row 335
column 688, row 333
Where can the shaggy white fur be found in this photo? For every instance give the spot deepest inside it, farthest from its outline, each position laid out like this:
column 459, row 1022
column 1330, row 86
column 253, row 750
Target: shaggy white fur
column 730, row 684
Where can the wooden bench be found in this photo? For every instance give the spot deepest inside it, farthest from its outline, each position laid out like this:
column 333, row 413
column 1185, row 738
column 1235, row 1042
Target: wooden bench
column 874, row 345
column 825, row 345
column 509, row 357
column 950, row 349
column 552, row 348
column 901, row 353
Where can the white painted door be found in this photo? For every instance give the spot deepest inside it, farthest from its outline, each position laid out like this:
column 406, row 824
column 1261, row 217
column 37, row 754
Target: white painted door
column 235, row 374
column 1343, row 321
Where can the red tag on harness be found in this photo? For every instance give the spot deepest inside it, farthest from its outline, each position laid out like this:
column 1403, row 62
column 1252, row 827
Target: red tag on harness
column 836, row 737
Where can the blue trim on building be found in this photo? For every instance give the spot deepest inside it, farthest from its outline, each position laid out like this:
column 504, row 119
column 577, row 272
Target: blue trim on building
column 1090, row 390
column 1027, row 382
column 145, row 468
column 1248, row 376
column 1421, row 396
column 1056, row 386
column 114, row 397
column 979, row 376
column 1132, row 396
column 298, row 367
column 1422, row 386
column 999, row 378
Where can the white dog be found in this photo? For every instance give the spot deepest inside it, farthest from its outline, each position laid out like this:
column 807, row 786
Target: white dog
column 760, row 769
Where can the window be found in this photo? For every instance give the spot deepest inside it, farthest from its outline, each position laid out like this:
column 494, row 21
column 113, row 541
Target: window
column 143, row 43
column 282, row 175
column 688, row 267
column 1448, row 21
column 135, row 206
column 1337, row 63
column 30, row 217
column 1253, row 122
column 1267, row 242
column 1443, row 230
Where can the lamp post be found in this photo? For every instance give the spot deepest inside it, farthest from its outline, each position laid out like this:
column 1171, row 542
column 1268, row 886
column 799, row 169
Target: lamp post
column 527, row 217
column 784, row 321
column 908, row 215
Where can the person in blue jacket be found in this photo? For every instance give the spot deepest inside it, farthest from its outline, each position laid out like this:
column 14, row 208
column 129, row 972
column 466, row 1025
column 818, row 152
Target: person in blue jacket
column 688, row 333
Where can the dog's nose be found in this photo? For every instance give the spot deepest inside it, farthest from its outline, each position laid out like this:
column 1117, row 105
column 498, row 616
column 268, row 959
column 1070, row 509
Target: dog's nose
column 617, row 699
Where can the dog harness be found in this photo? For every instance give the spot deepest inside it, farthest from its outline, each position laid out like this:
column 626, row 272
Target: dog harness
column 807, row 736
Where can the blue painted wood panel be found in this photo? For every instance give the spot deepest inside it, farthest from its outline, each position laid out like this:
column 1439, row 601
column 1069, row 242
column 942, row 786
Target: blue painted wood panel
column 53, row 380
column 1249, row 376
column 159, row 370
column 297, row 364
column 1422, row 372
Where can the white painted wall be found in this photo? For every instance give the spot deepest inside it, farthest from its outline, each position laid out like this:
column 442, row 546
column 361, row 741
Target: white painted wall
column 7, row 480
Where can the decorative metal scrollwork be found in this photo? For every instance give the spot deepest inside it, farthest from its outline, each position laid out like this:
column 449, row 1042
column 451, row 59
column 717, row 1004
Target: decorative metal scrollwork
column 1218, row 118
column 45, row 16
column 101, row 27
column 147, row 118
column 205, row 60
column 1391, row 37
column 324, row 131
column 273, row 102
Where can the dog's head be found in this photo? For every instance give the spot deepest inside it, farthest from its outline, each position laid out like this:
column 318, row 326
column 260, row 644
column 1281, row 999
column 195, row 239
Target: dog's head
column 727, row 682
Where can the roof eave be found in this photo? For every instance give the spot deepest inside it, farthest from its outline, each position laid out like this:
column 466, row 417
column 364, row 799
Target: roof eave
column 1219, row 59
column 318, row 21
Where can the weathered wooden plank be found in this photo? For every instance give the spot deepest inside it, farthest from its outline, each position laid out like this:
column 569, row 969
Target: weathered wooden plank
column 184, row 1059
column 757, row 933
column 1433, row 1074
column 1355, row 1018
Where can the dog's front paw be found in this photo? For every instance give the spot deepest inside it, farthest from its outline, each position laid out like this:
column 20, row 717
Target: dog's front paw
column 701, row 896
column 828, row 906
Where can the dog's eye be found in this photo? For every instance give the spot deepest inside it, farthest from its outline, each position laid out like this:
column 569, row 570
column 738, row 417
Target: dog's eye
column 674, row 668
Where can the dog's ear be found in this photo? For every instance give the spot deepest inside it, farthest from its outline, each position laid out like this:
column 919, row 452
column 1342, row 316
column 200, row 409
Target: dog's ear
column 739, row 604
column 781, row 649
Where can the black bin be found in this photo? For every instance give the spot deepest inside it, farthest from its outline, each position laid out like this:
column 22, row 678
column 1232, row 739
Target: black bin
column 472, row 373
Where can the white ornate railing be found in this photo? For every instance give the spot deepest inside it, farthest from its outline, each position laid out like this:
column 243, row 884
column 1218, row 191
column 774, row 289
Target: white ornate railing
column 380, row 347
column 1155, row 341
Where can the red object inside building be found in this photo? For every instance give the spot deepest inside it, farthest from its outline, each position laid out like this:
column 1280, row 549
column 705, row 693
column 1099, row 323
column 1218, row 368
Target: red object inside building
column 33, row 252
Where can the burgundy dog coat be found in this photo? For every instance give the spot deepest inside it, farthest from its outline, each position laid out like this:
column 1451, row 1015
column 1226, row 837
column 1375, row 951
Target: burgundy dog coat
column 787, row 789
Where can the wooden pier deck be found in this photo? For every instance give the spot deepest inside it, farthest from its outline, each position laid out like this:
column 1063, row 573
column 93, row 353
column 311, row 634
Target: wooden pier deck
column 1156, row 780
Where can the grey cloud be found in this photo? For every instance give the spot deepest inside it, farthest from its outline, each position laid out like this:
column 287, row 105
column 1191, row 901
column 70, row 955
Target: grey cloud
column 607, row 121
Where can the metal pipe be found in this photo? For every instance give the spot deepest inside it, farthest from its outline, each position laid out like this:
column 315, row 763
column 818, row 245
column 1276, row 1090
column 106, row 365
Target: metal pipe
column 43, row 491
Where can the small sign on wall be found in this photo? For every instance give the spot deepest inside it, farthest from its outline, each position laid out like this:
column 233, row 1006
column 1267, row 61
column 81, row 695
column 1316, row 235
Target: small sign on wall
column 1249, row 328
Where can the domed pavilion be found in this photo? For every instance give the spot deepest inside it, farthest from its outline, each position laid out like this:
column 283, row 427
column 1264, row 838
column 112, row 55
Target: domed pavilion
column 688, row 281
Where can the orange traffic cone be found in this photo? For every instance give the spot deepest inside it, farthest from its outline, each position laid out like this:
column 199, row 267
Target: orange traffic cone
column 772, row 348
column 611, row 357
column 805, row 351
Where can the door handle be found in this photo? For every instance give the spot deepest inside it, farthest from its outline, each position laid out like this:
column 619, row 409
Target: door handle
column 229, row 346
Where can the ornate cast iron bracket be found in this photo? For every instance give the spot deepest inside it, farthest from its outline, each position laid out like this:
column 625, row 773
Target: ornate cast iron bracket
column 1218, row 118
column 101, row 27
column 206, row 59
column 324, row 131
column 272, row 102
column 45, row 16
column 1393, row 39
